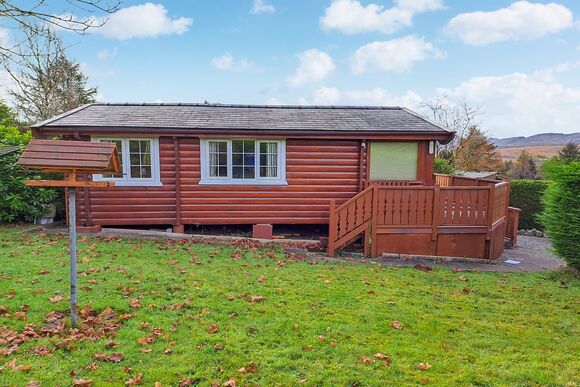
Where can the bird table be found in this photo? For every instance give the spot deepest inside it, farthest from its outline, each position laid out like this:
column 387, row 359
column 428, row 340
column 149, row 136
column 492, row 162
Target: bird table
column 74, row 159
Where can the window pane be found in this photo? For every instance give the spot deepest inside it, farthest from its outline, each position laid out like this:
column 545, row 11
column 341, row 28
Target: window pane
column 218, row 158
column 243, row 159
column 140, row 159
column 268, row 159
column 394, row 160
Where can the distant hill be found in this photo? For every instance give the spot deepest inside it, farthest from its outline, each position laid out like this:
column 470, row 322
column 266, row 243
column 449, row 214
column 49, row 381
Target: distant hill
column 542, row 139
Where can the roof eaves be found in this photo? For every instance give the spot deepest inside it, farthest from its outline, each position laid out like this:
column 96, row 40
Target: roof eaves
column 65, row 114
column 427, row 120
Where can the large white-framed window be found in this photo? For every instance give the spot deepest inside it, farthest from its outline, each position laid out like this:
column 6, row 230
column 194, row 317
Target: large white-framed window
column 243, row 161
column 139, row 161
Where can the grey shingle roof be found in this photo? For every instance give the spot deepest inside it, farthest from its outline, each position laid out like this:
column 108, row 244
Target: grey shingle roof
column 244, row 117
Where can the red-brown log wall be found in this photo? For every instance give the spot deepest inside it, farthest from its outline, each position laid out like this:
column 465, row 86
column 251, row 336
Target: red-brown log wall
column 317, row 171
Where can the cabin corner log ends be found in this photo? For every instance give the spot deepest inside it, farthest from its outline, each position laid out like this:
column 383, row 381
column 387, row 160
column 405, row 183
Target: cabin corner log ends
column 457, row 217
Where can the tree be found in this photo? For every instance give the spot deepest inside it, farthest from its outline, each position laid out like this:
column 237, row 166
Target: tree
column 475, row 153
column 561, row 216
column 456, row 116
column 27, row 16
column 569, row 153
column 46, row 81
column 525, row 167
column 17, row 201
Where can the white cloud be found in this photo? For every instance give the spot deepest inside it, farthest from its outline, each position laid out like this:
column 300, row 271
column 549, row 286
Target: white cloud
column 351, row 17
column 139, row 21
column 261, row 6
column 227, row 62
column 315, row 65
column 521, row 20
column 397, row 55
column 107, row 54
column 521, row 104
column 326, row 96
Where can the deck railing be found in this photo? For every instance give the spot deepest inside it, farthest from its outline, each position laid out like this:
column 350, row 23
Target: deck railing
column 452, row 205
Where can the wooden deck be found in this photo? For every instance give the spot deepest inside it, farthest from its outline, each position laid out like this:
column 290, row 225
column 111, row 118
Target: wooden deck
column 455, row 217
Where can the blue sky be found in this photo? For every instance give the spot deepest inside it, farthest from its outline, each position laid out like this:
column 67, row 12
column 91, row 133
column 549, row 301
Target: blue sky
column 519, row 61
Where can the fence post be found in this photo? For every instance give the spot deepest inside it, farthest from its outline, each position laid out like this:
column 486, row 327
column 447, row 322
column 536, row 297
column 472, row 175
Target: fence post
column 435, row 220
column 374, row 219
column 331, row 228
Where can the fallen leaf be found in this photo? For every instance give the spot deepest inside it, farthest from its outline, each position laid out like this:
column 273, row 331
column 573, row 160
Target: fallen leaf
column 134, row 380
column 40, row 351
column 396, row 324
column 423, row 268
column 230, row 383
column 261, row 279
column 381, row 356
column 33, row 383
column 218, row 347
column 213, row 329
column 91, row 367
column 256, row 298
column 22, row 368
column 43, row 272
column 168, row 351
column 249, row 369
column 82, row 382
column 462, row 278
column 57, row 298
column 134, row 303
column 424, row 366
column 366, row 359
column 320, row 339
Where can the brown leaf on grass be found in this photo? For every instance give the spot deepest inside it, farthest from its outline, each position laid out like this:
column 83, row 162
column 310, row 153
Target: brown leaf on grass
column 320, row 339
column 73, row 373
column 113, row 358
column 86, row 288
column 4, row 309
column 185, row 382
column 134, row 303
column 145, row 350
column 308, row 348
column 33, row 383
column 134, row 380
column 281, row 263
column 57, row 298
column 467, row 290
column 20, row 316
column 391, row 303
column 218, row 347
column 261, row 279
column 381, row 356
column 43, row 272
column 462, row 278
column 91, row 367
column 127, row 369
column 168, row 351
column 230, row 383
column 157, row 384
column 396, row 324
column 40, row 351
column 144, row 325
column 366, row 360
column 256, row 298
column 82, row 382
column 249, row 369
column 111, row 344
column 22, row 368
column 213, row 329
column 424, row 366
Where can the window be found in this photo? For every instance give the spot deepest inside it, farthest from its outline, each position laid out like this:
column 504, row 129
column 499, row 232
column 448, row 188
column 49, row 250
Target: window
column 394, row 160
column 243, row 161
column 139, row 162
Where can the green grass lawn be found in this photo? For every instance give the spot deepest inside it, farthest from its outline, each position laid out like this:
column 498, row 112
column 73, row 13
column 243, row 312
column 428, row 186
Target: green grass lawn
column 307, row 324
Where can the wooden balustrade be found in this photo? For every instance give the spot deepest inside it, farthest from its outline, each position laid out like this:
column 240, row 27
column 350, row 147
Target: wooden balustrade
column 476, row 212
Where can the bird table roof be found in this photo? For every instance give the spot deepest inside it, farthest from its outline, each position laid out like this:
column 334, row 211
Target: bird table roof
column 71, row 157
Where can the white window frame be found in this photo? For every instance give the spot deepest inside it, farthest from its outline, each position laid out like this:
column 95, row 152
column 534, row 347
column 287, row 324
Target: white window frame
column 127, row 180
column 206, row 179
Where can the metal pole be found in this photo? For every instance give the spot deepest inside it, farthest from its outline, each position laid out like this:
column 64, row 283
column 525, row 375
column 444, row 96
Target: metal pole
column 72, row 227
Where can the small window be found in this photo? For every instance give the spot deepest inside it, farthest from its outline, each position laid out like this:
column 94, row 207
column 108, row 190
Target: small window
column 139, row 159
column 243, row 161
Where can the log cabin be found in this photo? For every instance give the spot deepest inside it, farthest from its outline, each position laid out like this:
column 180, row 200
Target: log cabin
column 360, row 170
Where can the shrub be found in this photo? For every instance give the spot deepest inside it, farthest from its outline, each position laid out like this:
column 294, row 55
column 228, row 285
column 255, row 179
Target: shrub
column 561, row 215
column 526, row 195
column 441, row 165
column 17, row 201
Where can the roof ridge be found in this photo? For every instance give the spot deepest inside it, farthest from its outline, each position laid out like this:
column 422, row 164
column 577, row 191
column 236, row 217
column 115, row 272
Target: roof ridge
column 362, row 107
column 420, row 116
column 62, row 115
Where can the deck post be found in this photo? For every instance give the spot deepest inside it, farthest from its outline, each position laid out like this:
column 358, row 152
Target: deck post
column 374, row 220
column 72, row 226
column 435, row 215
column 331, row 228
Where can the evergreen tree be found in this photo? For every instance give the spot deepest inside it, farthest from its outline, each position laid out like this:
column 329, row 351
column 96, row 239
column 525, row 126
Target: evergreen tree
column 525, row 167
column 569, row 153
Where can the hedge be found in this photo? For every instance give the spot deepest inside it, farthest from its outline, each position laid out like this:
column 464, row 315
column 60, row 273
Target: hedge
column 561, row 214
column 527, row 196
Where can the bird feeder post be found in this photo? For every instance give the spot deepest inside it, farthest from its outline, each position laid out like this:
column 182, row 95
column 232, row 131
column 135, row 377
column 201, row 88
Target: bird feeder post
column 72, row 227
column 71, row 158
